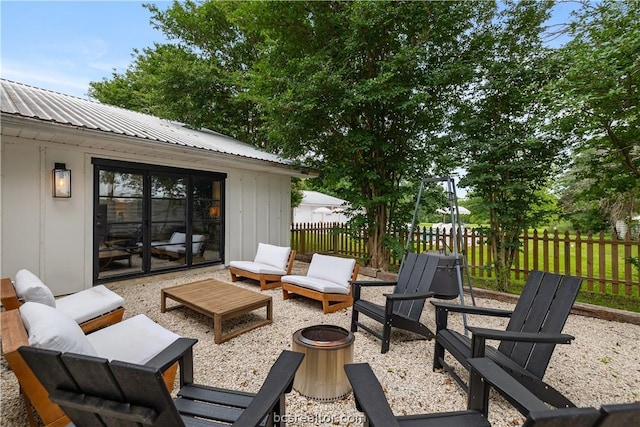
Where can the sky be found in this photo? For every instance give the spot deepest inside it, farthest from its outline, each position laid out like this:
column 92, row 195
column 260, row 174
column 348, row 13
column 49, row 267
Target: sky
column 64, row 45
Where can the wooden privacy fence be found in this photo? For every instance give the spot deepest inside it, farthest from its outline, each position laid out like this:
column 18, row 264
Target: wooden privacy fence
column 599, row 259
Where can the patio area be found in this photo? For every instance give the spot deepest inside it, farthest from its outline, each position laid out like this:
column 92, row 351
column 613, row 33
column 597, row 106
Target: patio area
column 602, row 365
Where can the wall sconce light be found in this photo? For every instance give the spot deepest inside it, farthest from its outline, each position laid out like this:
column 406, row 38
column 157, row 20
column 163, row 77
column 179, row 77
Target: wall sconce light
column 214, row 211
column 61, row 181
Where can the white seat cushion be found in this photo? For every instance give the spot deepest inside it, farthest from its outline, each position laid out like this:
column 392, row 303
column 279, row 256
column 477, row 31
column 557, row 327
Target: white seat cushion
column 50, row 328
column 276, row 256
column 135, row 340
column 89, row 303
column 333, row 269
column 179, row 249
column 256, row 267
column 316, row 284
column 196, row 245
column 29, row 287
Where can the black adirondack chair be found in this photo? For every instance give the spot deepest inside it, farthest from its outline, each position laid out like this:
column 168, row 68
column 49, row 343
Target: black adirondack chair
column 526, row 346
column 93, row 391
column 404, row 306
column 370, row 399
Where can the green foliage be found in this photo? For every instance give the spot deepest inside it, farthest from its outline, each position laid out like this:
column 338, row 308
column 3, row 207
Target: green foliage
column 378, row 95
column 359, row 90
column 297, row 185
column 598, row 104
column 200, row 79
column 506, row 149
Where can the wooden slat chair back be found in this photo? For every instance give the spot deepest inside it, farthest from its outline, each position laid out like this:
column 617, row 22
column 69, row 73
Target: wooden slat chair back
column 543, row 306
column 526, row 345
column 35, row 395
column 622, row 414
column 415, row 277
column 94, row 391
column 404, row 306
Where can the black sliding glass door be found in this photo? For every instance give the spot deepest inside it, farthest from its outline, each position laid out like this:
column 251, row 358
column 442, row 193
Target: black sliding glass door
column 150, row 219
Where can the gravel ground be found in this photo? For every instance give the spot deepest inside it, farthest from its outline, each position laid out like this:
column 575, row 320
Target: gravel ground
column 601, row 366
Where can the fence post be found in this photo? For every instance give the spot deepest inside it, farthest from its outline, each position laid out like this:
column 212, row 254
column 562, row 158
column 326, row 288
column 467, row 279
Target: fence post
column 303, row 240
column 567, row 253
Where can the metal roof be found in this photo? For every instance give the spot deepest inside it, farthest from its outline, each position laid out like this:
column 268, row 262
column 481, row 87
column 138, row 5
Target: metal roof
column 20, row 100
column 320, row 199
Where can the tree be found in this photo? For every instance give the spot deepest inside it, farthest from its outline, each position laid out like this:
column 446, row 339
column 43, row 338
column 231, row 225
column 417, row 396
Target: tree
column 508, row 152
column 198, row 79
column 359, row 90
column 598, row 105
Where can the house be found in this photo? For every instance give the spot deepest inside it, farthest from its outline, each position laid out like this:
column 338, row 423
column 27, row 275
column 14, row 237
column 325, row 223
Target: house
column 92, row 193
column 318, row 207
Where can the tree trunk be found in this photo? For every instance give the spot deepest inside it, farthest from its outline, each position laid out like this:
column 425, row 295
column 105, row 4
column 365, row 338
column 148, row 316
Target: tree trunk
column 378, row 253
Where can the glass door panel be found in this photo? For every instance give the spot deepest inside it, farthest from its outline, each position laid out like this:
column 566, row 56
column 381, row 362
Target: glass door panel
column 118, row 224
column 207, row 220
column 168, row 227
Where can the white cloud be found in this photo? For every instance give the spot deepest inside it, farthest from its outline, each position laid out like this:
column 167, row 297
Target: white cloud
column 45, row 78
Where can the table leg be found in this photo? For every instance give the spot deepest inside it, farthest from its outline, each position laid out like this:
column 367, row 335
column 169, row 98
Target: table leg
column 163, row 301
column 217, row 328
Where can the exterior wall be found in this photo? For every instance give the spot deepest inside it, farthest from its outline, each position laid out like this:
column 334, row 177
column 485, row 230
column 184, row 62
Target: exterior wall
column 258, row 211
column 53, row 237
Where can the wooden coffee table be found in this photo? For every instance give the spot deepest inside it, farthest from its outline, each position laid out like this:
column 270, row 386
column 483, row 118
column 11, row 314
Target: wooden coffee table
column 220, row 301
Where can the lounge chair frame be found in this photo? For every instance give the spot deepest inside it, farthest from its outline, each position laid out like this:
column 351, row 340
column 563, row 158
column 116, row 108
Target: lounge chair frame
column 119, row 393
column 14, row 336
column 10, row 301
column 527, row 344
column 485, row 374
column 331, row 302
column 267, row 281
column 404, row 306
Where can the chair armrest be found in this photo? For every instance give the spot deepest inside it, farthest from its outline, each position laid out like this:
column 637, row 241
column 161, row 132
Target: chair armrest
column 372, row 283
column 401, row 297
column 278, row 382
column 8, row 294
column 369, row 395
column 485, row 371
column 534, row 337
column 181, row 351
column 484, row 311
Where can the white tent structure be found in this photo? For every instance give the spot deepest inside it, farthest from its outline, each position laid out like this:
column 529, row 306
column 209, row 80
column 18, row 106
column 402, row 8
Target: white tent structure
column 461, row 209
column 318, row 207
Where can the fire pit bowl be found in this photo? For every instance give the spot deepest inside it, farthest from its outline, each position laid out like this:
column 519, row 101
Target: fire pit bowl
column 321, row 375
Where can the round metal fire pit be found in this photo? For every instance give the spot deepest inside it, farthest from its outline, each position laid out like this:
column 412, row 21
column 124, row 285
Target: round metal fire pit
column 321, row 375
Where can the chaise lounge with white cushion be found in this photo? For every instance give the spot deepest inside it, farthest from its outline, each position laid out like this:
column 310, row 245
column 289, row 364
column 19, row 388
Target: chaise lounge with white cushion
column 91, row 308
column 178, row 251
column 269, row 265
column 328, row 280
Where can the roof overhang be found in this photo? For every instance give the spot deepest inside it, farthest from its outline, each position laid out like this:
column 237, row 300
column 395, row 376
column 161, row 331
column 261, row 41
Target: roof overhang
column 70, row 135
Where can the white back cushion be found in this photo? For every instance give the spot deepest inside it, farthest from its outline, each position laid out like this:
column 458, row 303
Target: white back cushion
column 198, row 240
column 29, row 287
column 177, row 238
column 51, row 329
column 276, row 256
column 331, row 268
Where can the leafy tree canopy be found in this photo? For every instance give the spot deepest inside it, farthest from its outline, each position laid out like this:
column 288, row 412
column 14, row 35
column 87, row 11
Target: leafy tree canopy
column 598, row 105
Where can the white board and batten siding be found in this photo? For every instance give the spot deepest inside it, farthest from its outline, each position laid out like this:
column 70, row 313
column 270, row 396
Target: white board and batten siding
column 54, row 237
